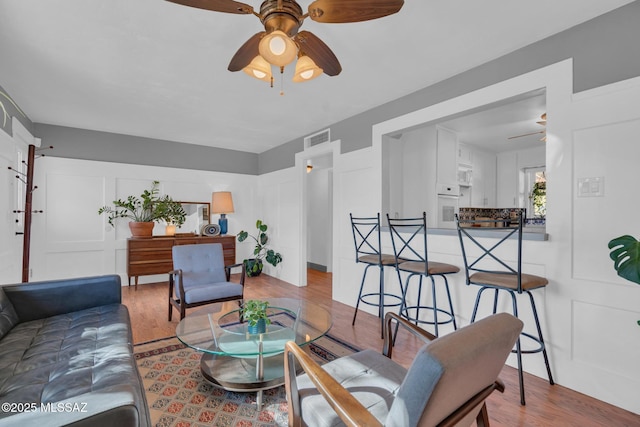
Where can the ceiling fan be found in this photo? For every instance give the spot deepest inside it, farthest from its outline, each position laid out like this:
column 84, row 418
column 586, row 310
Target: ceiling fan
column 541, row 122
column 281, row 43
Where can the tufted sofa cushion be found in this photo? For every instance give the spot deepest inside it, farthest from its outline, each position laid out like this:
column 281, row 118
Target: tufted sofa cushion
column 8, row 316
column 67, row 356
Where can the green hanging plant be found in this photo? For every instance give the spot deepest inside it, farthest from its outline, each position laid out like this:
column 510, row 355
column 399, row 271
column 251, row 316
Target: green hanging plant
column 625, row 253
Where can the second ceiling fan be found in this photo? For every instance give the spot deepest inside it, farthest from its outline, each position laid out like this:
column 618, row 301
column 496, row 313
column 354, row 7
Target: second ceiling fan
column 281, row 43
column 541, row 122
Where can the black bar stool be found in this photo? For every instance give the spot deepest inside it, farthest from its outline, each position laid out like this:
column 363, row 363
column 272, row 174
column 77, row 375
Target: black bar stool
column 366, row 237
column 485, row 268
column 409, row 239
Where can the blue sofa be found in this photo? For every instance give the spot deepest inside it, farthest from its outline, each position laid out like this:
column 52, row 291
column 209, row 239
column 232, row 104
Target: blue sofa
column 66, row 355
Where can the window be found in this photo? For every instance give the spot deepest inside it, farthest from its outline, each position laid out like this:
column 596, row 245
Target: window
column 536, row 182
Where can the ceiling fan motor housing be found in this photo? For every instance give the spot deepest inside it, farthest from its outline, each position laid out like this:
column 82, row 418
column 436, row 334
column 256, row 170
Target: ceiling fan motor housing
column 287, row 18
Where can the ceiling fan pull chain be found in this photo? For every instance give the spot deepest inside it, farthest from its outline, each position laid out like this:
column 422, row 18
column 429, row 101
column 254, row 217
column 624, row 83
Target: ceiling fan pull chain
column 281, row 81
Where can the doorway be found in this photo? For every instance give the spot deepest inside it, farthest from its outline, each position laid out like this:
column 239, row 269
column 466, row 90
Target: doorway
column 315, row 166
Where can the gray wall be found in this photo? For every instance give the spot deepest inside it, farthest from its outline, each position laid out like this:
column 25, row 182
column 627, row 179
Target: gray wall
column 605, row 50
column 11, row 111
column 85, row 144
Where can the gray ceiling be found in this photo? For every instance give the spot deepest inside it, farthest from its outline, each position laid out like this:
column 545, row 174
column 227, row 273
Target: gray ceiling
column 156, row 69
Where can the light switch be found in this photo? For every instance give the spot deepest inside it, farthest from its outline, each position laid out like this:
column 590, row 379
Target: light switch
column 591, row 187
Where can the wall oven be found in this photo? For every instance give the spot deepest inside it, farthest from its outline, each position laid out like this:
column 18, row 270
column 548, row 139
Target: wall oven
column 448, row 196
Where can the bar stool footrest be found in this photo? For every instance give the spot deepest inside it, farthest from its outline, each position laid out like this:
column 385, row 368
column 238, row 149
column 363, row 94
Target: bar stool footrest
column 539, row 349
column 405, row 313
column 377, row 302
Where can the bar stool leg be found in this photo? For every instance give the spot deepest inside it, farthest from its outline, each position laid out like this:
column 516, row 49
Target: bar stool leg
column 419, row 299
column 453, row 316
column 435, row 305
column 544, row 348
column 475, row 306
column 381, row 302
column 364, row 276
column 518, row 351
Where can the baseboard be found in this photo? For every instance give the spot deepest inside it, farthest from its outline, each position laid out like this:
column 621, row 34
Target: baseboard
column 318, row 267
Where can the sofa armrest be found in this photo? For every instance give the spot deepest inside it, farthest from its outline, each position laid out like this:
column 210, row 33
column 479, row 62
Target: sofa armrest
column 38, row 300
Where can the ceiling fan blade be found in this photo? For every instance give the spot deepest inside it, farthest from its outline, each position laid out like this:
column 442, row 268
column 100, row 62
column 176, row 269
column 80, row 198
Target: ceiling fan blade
column 526, row 134
column 228, row 6
column 246, row 53
column 317, row 50
column 338, row 11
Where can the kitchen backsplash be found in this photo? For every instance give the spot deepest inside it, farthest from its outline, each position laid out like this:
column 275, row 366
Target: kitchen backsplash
column 497, row 213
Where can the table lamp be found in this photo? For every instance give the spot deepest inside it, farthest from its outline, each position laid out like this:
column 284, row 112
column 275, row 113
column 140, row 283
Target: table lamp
column 222, row 203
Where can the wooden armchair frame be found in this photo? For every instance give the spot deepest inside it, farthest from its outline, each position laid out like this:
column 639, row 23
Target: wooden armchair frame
column 348, row 408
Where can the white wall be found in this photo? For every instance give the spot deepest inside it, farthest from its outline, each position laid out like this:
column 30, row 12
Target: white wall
column 278, row 203
column 70, row 239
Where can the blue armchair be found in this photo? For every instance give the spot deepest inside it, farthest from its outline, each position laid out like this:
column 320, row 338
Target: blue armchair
column 200, row 277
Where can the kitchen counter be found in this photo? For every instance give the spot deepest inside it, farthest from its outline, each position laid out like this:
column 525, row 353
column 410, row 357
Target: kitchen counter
column 536, row 233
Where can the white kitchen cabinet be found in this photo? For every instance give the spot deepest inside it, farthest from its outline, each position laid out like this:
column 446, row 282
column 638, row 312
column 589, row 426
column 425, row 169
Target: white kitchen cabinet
column 465, row 154
column 483, row 192
column 447, row 156
column 507, row 180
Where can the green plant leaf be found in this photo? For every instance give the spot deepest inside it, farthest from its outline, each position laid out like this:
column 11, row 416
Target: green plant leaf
column 263, row 238
column 625, row 253
column 242, row 236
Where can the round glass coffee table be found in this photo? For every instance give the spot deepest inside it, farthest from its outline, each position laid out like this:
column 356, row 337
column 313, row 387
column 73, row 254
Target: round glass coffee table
column 239, row 361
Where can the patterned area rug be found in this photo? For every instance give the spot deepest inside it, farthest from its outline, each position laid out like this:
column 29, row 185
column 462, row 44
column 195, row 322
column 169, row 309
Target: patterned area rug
column 179, row 396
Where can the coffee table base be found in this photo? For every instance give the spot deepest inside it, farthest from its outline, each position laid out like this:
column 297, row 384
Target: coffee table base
column 241, row 374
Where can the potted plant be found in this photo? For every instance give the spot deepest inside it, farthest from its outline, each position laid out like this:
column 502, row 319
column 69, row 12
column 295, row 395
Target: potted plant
column 254, row 312
column 625, row 253
column 143, row 211
column 254, row 265
column 170, row 211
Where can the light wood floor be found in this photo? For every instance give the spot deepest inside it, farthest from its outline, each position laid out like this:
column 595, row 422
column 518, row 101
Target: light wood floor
column 546, row 405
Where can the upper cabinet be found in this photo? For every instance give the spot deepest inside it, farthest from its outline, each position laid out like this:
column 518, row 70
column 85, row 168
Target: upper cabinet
column 465, row 155
column 447, row 157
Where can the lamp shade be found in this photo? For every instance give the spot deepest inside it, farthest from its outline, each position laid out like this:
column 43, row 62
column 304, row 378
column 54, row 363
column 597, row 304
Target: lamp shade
column 277, row 48
column 221, row 202
column 259, row 69
column 306, row 70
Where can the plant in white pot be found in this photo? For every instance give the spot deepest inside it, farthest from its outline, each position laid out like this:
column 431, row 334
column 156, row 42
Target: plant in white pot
column 144, row 210
column 625, row 253
column 253, row 266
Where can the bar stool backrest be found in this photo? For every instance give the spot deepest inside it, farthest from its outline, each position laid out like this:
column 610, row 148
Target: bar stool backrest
column 485, row 256
column 409, row 238
column 366, row 236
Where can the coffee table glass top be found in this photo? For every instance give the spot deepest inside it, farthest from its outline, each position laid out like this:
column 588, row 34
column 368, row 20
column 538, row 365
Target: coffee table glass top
column 219, row 329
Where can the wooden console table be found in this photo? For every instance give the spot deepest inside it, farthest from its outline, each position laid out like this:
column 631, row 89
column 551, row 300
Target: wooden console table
column 147, row 256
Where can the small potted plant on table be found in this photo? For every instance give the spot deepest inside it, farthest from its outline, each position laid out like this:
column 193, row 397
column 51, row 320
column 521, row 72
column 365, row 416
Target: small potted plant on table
column 254, row 312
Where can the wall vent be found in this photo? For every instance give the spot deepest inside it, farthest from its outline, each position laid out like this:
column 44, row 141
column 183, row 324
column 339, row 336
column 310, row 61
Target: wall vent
column 317, row 138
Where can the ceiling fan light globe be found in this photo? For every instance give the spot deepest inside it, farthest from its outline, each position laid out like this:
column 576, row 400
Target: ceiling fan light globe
column 278, row 49
column 259, row 69
column 306, row 70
